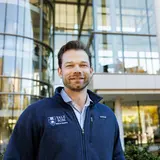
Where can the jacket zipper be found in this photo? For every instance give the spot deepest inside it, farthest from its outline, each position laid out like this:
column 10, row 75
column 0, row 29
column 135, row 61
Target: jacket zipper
column 82, row 133
column 91, row 126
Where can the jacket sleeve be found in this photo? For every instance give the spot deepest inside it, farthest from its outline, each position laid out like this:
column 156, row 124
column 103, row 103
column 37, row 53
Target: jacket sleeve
column 118, row 151
column 24, row 140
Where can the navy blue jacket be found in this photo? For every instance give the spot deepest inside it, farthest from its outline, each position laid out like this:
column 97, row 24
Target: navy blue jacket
column 49, row 130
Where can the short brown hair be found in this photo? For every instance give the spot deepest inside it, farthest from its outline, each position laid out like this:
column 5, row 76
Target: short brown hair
column 76, row 45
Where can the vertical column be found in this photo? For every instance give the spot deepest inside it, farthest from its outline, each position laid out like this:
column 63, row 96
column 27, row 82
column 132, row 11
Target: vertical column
column 157, row 18
column 95, row 36
column 41, row 38
column 113, row 22
column 118, row 113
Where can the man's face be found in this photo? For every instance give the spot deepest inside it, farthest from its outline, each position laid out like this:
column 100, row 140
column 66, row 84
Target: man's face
column 75, row 70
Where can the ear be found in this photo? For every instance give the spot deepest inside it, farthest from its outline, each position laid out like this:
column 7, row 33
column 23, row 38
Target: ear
column 91, row 70
column 60, row 72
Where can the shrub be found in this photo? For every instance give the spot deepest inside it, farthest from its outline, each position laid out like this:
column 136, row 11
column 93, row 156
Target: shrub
column 133, row 152
column 1, row 156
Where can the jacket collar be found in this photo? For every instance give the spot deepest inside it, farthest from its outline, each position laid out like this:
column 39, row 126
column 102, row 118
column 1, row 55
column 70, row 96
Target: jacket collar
column 94, row 97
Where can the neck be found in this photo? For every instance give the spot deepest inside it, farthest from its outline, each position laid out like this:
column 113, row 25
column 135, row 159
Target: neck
column 77, row 97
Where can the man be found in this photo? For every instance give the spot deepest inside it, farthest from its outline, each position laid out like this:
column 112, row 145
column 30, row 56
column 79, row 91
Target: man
column 72, row 125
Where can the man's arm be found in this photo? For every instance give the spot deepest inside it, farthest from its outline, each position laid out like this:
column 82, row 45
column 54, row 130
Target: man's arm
column 24, row 140
column 118, row 151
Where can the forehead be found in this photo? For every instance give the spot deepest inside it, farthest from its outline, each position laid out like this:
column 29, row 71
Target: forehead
column 75, row 56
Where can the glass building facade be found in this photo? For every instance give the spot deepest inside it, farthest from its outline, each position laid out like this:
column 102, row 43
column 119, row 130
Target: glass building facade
column 121, row 34
column 26, row 58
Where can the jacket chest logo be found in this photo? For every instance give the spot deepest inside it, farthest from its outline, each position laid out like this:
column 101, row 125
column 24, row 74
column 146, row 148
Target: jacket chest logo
column 57, row 120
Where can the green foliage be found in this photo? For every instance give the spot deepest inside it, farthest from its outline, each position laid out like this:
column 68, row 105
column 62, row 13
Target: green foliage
column 133, row 152
column 1, row 156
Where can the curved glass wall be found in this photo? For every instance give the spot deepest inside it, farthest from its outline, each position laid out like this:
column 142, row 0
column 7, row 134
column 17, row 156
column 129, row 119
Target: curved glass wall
column 26, row 59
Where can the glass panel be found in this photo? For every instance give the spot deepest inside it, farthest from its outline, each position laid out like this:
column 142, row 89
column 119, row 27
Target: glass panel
column 88, row 22
column 134, row 16
column 108, row 54
column 25, row 101
column 130, row 124
column 108, row 15
column 36, row 61
column 45, row 55
column 26, row 86
column 9, row 63
column 11, row 18
column 2, row 17
column 136, row 49
column 36, row 88
column 8, row 85
column 142, row 127
column 28, row 31
column 17, row 85
column 27, row 59
column 21, row 20
column 155, row 66
column 151, row 16
column 27, row 65
column 44, row 90
column 59, row 41
column 149, row 123
column 17, row 103
column 61, row 17
column 72, row 16
column 149, row 66
column 19, row 57
column 1, row 43
column 142, row 66
column 10, row 43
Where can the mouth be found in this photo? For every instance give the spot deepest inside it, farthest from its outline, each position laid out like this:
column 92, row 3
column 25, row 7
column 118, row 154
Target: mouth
column 77, row 78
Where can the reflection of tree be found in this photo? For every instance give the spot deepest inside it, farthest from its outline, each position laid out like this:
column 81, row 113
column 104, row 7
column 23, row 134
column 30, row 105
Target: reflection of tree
column 5, row 128
column 130, row 125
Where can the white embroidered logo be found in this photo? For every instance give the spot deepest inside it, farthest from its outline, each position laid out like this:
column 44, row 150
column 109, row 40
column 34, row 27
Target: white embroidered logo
column 57, row 120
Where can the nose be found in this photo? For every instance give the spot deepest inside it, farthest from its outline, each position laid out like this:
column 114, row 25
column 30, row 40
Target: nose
column 77, row 68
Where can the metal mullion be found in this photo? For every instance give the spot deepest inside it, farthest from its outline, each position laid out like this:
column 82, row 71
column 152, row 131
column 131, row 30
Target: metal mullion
column 23, row 44
column 66, row 19
column 4, row 37
column 78, row 13
column 74, row 3
column 121, row 26
column 146, row 3
column 15, row 63
column 41, row 38
column 83, row 18
column 37, row 41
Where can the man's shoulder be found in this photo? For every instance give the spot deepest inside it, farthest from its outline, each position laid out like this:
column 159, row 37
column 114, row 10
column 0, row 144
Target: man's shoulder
column 106, row 110
column 42, row 104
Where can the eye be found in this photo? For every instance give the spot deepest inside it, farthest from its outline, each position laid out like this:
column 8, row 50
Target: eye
column 69, row 66
column 83, row 65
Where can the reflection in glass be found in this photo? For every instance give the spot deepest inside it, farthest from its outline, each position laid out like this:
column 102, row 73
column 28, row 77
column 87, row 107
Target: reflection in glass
column 9, row 63
column 107, row 20
column 2, row 17
column 134, row 16
column 151, row 16
column 141, row 129
column 136, row 52
column 109, row 59
column 20, row 60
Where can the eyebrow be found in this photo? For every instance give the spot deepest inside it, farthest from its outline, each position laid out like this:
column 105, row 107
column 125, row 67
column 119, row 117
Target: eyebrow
column 73, row 62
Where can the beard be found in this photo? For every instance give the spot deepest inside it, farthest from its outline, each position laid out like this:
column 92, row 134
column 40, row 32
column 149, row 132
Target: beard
column 76, row 83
